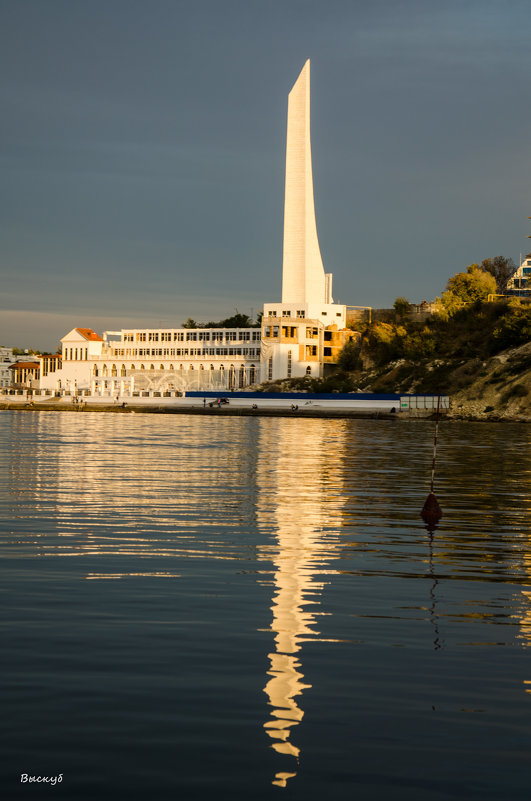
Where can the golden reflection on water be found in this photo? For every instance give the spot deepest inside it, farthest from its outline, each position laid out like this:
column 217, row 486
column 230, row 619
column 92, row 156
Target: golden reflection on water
column 302, row 473
column 168, row 488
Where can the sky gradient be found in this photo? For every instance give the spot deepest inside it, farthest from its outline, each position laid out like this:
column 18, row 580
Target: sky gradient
column 143, row 147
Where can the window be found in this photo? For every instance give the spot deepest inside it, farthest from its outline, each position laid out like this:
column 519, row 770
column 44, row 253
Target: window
column 311, row 333
column 327, row 351
column 286, row 313
column 327, row 336
column 300, row 313
column 324, row 314
column 289, row 364
column 338, row 314
column 114, row 371
column 311, row 350
column 308, row 370
column 252, row 374
column 272, row 314
column 151, row 366
column 270, row 368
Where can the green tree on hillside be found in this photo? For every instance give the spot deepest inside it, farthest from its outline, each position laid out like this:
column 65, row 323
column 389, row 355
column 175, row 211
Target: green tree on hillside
column 348, row 359
column 501, row 269
column 402, row 307
column 472, row 286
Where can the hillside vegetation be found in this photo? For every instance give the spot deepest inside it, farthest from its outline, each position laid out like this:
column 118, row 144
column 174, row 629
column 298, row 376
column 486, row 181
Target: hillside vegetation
column 480, row 356
column 474, row 350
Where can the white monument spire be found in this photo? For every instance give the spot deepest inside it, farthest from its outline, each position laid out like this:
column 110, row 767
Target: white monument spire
column 303, row 276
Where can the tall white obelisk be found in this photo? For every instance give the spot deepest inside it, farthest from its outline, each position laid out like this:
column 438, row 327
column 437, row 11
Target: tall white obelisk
column 303, row 276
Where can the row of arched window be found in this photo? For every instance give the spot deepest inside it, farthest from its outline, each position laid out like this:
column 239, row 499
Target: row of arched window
column 113, row 372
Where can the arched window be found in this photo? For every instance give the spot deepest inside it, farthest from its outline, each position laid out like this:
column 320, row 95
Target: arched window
column 252, row 374
column 123, row 371
column 142, row 367
column 114, row 371
column 211, row 366
column 201, row 367
column 104, row 370
column 242, row 376
column 180, row 367
column 308, row 370
column 95, row 371
column 133, row 367
column 191, row 367
column 162, row 367
column 151, row 366
column 171, row 367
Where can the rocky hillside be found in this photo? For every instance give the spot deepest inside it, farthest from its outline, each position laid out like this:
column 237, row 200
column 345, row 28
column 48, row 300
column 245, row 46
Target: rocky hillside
column 494, row 388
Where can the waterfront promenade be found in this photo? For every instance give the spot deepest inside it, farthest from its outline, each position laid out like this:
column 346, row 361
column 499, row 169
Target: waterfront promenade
column 242, row 403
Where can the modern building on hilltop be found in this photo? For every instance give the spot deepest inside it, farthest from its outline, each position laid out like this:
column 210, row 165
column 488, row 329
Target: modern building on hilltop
column 519, row 285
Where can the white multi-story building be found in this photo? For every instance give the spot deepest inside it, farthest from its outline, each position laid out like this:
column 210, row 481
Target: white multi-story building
column 159, row 360
column 7, row 358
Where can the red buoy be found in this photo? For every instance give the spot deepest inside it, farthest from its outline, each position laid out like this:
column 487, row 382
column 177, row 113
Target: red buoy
column 431, row 511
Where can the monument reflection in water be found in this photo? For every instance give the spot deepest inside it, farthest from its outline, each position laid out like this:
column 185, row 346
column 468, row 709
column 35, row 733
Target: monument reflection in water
column 134, row 651
column 300, row 466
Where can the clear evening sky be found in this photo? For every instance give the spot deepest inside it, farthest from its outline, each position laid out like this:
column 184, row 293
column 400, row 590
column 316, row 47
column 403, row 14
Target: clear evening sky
column 143, row 146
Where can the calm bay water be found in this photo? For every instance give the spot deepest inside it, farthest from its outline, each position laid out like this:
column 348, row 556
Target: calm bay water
column 250, row 608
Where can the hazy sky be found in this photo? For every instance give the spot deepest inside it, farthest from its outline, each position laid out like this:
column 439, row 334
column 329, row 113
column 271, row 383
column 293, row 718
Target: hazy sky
column 143, row 146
